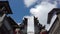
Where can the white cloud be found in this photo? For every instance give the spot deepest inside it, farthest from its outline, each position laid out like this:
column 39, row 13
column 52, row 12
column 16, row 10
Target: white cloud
column 28, row 3
column 18, row 23
column 41, row 11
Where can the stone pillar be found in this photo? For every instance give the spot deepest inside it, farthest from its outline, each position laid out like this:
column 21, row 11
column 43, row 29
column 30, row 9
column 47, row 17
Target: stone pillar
column 30, row 25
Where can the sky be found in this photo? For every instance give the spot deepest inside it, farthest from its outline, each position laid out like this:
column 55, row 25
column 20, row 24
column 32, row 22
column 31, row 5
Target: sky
column 19, row 10
column 37, row 8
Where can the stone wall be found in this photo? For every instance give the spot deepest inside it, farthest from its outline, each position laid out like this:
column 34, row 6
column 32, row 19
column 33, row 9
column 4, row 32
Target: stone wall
column 55, row 29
